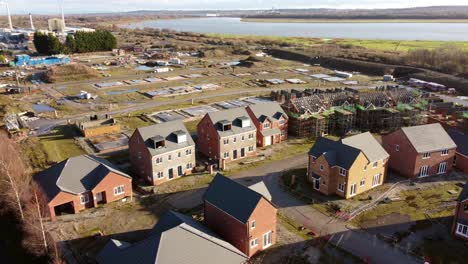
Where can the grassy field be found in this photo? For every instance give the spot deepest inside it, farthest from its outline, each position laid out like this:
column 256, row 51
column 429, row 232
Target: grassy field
column 390, row 45
column 60, row 144
column 294, row 20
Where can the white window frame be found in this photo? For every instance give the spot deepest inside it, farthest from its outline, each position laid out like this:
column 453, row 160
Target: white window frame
column 375, row 164
column 460, row 229
column 426, row 171
column 266, row 125
column 118, row 190
column 426, row 155
column 362, row 182
column 445, row 152
column 84, row 198
column 254, row 243
column 251, row 149
column 397, row 147
column 188, row 152
column 321, row 167
column 159, row 160
column 374, row 181
column 443, row 165
column 253, row 224
column 226, row 155
column 343, row 172
column 265, row 237
column 160, row 174
column 343, row 187
column 353, row 189
column 169, row 157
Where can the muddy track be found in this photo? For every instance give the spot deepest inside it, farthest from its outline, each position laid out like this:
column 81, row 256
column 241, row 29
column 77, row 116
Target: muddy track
column 374, row 68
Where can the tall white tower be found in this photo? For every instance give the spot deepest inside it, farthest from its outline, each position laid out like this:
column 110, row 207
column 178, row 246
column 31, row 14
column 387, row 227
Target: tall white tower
column 63, row 15
column 31, row 21
column 10, row 24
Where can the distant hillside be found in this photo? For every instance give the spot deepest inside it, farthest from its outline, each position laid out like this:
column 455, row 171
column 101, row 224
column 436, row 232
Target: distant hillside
column 433, row 12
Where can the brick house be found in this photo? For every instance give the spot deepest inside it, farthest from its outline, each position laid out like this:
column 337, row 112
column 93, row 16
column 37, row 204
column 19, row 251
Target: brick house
column 162, row 152
column 271, row 122
column 461, row 154
column 420, row 151
column 243, row 216
column 460, row 221
column 175, row 239
column 347, row 167
column 227, row 135
column 81, row 182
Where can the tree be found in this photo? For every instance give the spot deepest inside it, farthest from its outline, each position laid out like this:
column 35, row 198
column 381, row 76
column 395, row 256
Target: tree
column 14, row 181
column 47, row 44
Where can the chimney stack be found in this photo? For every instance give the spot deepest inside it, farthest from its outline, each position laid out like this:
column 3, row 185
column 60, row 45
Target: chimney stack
column 9, row 16
column 63, row 17
column 31, row 21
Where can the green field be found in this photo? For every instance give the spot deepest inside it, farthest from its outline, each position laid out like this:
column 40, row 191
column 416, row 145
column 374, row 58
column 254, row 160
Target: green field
column 389, row 45
column 60, row 144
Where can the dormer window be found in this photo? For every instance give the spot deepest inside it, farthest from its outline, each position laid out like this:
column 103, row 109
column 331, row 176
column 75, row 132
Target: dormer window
column 157, row 142
column 181, row 136
column 266, row 125
column 244, row 121
column 225, row 125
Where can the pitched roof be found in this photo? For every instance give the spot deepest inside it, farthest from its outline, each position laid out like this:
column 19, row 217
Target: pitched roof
column 167, row 131
column 461, row 139
column 261, row 188
column 335, row 152
column 464, row 193
column 368, row 144
column 428, row 138
column 268, row 110
column 175, row 239
column 232, row 116
column 233, row 198
column 75, row 175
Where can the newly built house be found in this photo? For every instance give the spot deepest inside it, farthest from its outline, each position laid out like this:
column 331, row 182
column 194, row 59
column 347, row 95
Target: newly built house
column 461, row 153
column 420, row 151
column 162, row 152
column 347, row 167
column 271, row 122
column 175, row 239
column 460, row 220
column 227, row 136
column 81, row 182
column 243, row 216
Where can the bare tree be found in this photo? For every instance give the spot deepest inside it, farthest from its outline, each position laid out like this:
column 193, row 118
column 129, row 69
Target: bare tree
column 14, row 181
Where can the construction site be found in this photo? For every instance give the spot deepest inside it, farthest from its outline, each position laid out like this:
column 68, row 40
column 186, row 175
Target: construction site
column 341, row 111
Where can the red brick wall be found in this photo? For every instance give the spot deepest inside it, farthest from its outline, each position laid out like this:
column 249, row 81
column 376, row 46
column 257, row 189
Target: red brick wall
column 227, row 227
column 107, row 185
column 460, row 214
column 259, row 126
column 265, row 220
column 143, row 166
column 207, row 139
column 407, row 161
column 325, row 176
column 461, row 162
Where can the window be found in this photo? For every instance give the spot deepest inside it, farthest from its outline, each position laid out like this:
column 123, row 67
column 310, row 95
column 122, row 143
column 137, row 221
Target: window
column 465, row 208
column 169, row 157
column 188, row 152
column 376, row 180
column 282, row 122
column 254, row 243
column 189, row 165
column 353, row 189
column 179, row 155
column 442, row 168
column 397, row 148
column 226, row 141
column 243, row 137
column 365, row 167
column 342, row 172
column 160, row 175
column 321, row 167
column 426, row 155
column 226, row 154
column 362, row 182
column 375, row 164
column 444, row 152
column 341, row 187
column 251, row 136
column 424, row 171
column 267, row 239
column 266, row 125
column 84, row 198
column 119, row 190
column 283, row 133
column 159, row 160
column 462, row 230
column 252, row 224
column 314, row 159
column 251, row 148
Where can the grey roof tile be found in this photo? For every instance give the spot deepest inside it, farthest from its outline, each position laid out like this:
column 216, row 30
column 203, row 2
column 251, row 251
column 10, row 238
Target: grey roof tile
column 429, row 138
column 369, row 145
column 461, row 139
column 336, row 153
column 232, row 116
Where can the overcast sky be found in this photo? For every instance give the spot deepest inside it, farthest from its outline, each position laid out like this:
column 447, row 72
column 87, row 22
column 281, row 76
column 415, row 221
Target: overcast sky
column 93, row 6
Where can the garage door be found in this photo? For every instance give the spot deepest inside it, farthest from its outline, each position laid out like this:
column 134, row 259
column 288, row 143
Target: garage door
column 267, row 141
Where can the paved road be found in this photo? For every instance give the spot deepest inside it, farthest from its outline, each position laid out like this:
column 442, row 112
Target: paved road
column 359, row 243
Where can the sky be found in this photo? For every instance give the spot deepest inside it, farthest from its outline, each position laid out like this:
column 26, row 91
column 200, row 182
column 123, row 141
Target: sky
column 95, row 6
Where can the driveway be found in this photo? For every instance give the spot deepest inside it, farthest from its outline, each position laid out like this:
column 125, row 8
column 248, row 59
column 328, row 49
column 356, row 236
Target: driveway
column 357, row 242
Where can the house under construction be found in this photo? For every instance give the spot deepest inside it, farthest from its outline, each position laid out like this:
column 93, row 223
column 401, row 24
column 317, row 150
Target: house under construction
column 342, row 111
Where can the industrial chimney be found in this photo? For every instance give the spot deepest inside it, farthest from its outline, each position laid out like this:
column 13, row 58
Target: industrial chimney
column 31, row 21
column 63, row 17
column 9, row 16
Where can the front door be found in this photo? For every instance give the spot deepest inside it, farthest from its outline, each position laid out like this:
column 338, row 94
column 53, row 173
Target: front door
column 242, row 152
column 99, row 197
column 317, row 183
column 171, row 173
column 234, row 154
column 267, row 141
column 267, row 239
column 179, row 170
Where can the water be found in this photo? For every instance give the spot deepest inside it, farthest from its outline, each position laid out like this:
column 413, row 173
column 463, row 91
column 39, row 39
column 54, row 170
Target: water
column 144, row 68
column 384, row 31
column 42, row 108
